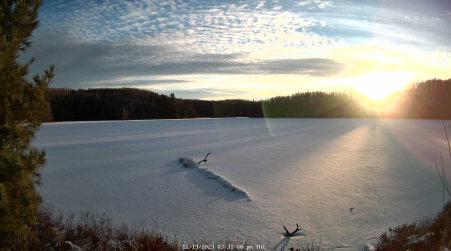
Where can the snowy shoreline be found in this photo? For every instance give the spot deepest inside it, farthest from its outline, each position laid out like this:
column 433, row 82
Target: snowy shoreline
column 306, row 171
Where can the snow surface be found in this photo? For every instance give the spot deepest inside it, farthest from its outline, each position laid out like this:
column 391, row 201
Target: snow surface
column 305, row 171
column 190, row 163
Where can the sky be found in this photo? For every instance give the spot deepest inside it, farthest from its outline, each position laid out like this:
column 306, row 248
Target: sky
column 220, row 49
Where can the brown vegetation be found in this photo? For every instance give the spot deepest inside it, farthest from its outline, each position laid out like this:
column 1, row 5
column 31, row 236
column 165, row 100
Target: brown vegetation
column 88, row 231
column 426, row 234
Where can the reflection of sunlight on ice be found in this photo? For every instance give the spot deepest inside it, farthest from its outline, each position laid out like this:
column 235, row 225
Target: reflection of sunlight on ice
column 425, row 139
column 345, row 173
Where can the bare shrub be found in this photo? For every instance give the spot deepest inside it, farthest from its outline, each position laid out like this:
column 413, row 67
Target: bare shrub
column 187, row 162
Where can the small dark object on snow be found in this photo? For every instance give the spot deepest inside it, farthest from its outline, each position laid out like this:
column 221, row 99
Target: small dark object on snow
column 351, row 209
column 204, row 160
column 292, row 234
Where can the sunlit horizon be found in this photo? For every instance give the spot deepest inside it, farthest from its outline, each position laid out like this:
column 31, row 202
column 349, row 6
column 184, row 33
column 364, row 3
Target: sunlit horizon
column 249, row 50
column 379, row 85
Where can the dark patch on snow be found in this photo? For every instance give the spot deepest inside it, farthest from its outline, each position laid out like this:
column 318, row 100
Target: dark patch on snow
column 190, row 163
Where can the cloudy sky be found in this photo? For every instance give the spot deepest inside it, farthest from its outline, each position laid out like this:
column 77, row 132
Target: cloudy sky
column 217, row 49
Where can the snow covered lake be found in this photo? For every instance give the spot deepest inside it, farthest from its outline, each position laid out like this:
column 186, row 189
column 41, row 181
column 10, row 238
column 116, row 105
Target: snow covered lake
column 305, row 171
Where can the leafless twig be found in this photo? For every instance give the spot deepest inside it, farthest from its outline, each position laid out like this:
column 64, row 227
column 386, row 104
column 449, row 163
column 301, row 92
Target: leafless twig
column 442, row 176
column 204, row 160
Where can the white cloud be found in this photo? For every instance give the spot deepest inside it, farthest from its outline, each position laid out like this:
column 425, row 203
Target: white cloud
column 440, row 58
column 171, row 37
column 260, row 5
column 320, row 4
column 323, row 4
column 303, row 3
column 229, row 28
column 422, row 19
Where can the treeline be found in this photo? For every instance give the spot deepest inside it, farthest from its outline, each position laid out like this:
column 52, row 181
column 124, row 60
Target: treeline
column 315, row 105
column 129, row 103
column 425, row 100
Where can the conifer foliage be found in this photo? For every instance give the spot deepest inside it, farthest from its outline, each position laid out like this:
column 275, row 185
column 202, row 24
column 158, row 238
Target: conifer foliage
column 22, row 108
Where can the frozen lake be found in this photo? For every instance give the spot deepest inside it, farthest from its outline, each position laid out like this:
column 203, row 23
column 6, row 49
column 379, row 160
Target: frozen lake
column 305, row 171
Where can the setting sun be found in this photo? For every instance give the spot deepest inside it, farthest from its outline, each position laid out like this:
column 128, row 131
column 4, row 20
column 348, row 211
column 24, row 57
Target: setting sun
column 319, row 117
column 378, row 85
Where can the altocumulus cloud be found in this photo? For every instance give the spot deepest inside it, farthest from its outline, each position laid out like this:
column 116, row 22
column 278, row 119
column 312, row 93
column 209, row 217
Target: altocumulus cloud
column 153, row 42
column 82, row 64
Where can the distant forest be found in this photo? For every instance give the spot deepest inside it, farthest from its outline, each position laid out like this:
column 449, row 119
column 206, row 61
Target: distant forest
column 129, row 103
column 425, row 100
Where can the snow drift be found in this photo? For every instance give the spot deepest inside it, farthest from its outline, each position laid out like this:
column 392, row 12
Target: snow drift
column 190, row 163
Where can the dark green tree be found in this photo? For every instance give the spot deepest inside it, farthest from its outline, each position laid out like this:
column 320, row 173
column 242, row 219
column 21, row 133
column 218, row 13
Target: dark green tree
column 23, row 106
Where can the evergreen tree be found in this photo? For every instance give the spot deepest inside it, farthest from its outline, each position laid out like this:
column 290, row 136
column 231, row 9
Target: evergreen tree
column 23, row 105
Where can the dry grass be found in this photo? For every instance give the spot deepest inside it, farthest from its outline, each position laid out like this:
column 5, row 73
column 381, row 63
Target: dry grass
column 430, row 234
column 87, row 231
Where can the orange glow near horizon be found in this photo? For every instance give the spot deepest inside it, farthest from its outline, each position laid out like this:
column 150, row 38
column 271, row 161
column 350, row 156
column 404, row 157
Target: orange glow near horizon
column 383, row 108
column 379, row 85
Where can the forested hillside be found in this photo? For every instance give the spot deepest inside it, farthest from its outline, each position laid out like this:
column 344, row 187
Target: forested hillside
column 425, row 100
column 128, row 103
